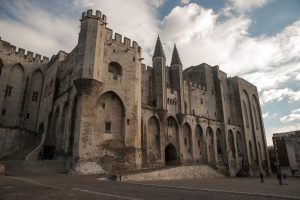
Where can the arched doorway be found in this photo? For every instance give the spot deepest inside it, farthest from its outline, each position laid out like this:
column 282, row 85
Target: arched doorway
column 153, row 139
column 200, row 144
column 170, row 155
column 210, row 144
column 231, row 142
column 172, row 132
column 187, row 136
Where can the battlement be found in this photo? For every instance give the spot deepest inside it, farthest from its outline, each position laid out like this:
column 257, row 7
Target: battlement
column 29, row 56
column 194, row 85
column 120, row 40
column 89, row 14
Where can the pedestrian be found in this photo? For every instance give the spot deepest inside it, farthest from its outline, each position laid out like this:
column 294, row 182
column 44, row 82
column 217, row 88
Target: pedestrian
column 261, row 177
column 279, row 179
column 285, row 179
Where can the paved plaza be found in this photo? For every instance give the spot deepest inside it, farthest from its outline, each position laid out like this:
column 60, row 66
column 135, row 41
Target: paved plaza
column 90, row 187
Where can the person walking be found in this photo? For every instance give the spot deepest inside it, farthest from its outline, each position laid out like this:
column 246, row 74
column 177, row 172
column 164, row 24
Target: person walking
column 285, row 179
column 261, row 177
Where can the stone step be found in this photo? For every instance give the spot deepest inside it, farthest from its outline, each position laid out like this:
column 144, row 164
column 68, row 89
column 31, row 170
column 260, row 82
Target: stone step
column 24, row 168
column 182, row 172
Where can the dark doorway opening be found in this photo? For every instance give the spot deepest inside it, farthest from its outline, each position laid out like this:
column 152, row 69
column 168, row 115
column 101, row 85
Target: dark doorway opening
column 48, row 153
column 170, row 155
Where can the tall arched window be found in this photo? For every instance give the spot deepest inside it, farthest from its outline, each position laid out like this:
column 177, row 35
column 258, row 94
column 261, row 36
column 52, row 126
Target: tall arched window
column 246, row 114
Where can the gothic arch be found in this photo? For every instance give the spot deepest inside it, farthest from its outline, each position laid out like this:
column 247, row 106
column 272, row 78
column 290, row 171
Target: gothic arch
column 220, row 142
column 210, row 144
column 231, row 143
column 111, row 115
column 33, row 101
column 116, row 69
column 239, row 143
column 172, row 132
column 154, row 138
column 187, row 136
column 14, row 90
column 200, row 144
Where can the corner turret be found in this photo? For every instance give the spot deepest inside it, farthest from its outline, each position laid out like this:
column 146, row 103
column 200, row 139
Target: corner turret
column 175, row 57
column 176, row 76
column 159, row 75
column 158, row 51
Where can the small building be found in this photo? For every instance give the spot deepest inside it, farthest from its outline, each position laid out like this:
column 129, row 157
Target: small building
column 287, row 147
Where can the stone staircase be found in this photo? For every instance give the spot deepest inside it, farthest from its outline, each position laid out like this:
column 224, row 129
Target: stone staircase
column 23, row 150
column 34, row 168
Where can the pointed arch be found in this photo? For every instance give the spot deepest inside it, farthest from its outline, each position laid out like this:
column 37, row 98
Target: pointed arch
column 210, row 144
column 187, row 136
column 14, row 95
column 172, row 132
column 231, row 144
column 111, row 115
column 200, row 144
column 154, row 139
column 34, row 97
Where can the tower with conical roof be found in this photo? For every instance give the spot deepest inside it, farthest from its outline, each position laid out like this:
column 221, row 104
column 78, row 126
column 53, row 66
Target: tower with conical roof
column 176, row 76
column 159, row 76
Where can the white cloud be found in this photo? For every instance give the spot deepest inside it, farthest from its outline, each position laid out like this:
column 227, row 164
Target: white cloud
column 247, row 5
column 277, row 95
column 290, row 118
column 135, row 19
column 296, row 111
column 265, row 115
column 38, row 30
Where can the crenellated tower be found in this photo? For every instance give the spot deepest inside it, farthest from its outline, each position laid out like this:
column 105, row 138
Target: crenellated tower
column 91, row 44
column 176, row 77
column 159, row 76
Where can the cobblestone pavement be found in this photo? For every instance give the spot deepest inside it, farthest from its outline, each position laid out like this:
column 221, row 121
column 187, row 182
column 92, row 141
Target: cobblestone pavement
column 88, row 187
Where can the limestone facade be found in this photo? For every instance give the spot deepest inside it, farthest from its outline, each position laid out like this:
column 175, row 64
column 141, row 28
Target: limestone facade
column 100, row 104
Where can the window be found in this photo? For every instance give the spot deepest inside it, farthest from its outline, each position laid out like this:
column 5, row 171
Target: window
column 27, row 116
column 127, row 121
column 107, row 126
column 8, row 91
column 201, row 101
column 115, row 69
column 3, row 112
column 103, row 105
column 185, row 141
column 198, row 142
column 35, row 96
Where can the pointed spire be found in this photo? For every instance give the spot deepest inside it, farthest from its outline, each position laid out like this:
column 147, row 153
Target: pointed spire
column 158, row 51
column 175, row 57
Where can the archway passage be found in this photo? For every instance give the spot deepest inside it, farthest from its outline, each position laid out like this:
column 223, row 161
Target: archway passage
column 170, row 155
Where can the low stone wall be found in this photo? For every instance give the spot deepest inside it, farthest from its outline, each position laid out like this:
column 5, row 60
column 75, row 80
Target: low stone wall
column 183, row 172
column 13, row 139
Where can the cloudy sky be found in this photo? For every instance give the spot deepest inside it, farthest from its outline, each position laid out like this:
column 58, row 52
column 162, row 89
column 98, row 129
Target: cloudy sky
column 258, row 40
